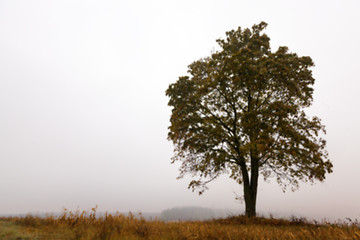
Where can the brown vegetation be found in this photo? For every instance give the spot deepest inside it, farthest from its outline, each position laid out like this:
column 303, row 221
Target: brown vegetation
column 86, row 226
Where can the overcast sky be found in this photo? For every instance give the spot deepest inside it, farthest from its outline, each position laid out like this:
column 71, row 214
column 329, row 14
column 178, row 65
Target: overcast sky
column 84, row 116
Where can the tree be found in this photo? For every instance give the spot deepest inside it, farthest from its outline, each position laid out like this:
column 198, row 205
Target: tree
column 241, row 112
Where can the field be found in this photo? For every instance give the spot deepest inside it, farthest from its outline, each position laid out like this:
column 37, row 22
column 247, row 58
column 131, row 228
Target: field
column 86, row 226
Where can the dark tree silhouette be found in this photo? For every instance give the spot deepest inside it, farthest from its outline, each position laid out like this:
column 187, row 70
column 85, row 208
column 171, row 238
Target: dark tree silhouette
column 241, row 112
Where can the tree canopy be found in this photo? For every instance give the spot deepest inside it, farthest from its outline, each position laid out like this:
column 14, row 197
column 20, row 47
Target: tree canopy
column 241, row 111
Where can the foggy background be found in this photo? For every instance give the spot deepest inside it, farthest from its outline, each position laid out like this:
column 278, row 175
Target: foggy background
column 84, row 116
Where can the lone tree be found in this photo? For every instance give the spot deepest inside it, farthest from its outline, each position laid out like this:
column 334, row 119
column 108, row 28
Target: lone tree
column 241, row 112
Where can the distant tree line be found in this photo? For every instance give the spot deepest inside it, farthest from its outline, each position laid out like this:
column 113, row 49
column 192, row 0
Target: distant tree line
column 193, row 213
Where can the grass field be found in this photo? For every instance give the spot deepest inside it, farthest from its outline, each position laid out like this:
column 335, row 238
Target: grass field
column 86, row 226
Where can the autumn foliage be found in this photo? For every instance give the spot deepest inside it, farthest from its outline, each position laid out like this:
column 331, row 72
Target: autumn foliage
column 240, row 112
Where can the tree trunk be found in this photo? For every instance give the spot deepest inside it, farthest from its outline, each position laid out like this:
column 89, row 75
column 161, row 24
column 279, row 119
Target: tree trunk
column 250, row 201
column 250, row 187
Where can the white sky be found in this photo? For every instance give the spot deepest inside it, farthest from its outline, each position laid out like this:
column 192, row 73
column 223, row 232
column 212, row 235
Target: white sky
column 84, row 114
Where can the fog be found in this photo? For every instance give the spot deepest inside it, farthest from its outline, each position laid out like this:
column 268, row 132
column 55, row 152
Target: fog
column 84, row 114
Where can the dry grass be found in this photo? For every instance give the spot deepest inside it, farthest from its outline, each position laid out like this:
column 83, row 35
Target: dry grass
column 86, row 226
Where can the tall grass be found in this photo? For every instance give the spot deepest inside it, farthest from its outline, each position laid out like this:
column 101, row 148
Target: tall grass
column 87, row 226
